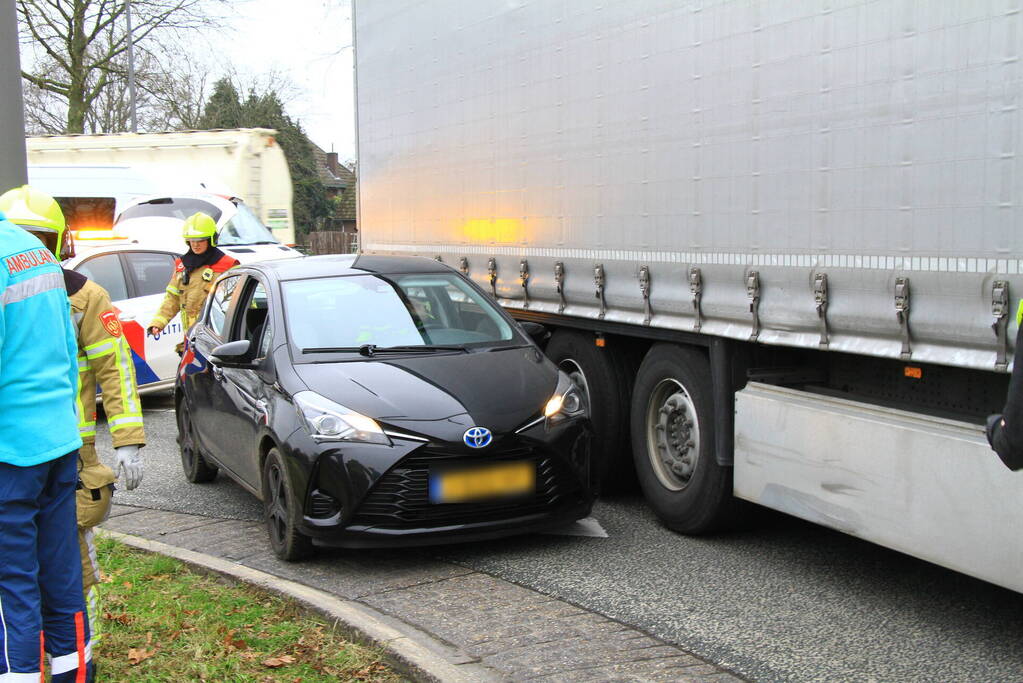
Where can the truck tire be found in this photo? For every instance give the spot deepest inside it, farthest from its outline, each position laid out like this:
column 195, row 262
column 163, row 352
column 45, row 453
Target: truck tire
column 673, row 442
column 605, row 380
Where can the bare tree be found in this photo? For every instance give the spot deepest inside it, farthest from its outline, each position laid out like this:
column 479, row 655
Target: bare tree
column 80, row 45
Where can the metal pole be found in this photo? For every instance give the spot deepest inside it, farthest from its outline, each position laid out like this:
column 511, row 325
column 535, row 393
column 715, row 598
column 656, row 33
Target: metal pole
column 12, row 111
column 131, row 67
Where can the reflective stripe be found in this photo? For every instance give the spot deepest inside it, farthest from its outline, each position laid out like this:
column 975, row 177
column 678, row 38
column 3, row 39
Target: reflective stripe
column 1019, row 313
column 69, row 662
column 92, row 600
column 125, row 420
column 3, row 622
column 12, row 677
column 100, row 349
column 129, row 395
column 37, row 284
column 174, row 290
column 83, row 364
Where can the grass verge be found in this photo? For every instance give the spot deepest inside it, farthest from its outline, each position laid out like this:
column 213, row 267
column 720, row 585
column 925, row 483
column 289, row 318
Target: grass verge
column 163, row 622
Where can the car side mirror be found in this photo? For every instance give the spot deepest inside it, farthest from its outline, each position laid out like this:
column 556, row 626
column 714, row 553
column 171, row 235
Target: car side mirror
column 232, row 354
column 537, row 332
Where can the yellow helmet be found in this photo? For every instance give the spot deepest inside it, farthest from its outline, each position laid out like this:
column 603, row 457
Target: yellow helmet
column 40, row 214
column 199, row 226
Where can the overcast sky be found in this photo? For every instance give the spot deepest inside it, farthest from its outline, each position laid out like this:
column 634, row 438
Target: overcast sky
column 308, row 41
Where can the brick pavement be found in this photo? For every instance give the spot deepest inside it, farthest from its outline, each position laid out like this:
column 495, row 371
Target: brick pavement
column 512, row 632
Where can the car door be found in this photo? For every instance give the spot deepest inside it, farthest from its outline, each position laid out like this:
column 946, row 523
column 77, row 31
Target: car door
column 147, row 273
column 131, row 279
column 209, row 402
column 246, row 387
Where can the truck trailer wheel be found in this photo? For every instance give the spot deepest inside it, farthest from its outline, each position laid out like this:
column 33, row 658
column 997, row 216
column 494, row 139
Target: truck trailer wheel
column 673, row 441
column 605, row 381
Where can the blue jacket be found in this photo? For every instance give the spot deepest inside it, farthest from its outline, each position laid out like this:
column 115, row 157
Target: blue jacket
column 38, row 353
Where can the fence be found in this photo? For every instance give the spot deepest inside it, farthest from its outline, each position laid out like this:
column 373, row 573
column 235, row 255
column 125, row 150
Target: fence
column 333, row 242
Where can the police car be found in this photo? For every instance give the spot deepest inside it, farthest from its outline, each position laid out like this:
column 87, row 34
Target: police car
column 136, row 278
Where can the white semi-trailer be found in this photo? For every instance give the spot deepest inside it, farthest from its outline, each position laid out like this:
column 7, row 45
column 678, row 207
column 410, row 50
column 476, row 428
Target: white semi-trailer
column 778, row 243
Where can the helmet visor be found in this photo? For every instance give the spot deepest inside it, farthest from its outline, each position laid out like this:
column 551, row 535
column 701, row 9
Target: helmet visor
column 47, row 237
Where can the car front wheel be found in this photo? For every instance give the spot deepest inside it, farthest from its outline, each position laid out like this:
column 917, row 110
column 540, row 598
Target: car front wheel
column 283, row 511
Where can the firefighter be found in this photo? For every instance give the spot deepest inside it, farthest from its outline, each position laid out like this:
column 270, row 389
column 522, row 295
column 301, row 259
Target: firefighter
column 194, row 273
column 1005, row 430
column 42, row 608
column 104, row 358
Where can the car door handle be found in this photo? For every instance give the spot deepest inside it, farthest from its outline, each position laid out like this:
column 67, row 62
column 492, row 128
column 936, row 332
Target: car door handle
column 218, row 372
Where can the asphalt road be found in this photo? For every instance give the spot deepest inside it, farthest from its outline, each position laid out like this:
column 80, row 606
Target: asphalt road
column 783, row 601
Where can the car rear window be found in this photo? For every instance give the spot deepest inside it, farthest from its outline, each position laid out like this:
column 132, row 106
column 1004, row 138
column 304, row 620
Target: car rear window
column 170, row 207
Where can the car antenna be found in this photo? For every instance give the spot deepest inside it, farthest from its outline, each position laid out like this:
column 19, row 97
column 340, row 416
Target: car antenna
column 367, row 349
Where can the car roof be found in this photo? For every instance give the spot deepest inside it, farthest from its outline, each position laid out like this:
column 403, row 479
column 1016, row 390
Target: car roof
column 346, row 264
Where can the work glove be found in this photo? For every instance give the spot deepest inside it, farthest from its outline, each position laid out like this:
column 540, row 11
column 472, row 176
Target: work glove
column 129, row 463
column 998, row 438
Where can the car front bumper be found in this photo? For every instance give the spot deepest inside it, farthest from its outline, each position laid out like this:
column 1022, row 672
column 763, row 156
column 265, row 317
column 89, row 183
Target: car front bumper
column 372, row 496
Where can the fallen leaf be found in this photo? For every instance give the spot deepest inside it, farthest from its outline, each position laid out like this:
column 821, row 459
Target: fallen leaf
column 127, row 584
column 232, row 644
column 277, row 662
column 136, row 655
column 122, row 618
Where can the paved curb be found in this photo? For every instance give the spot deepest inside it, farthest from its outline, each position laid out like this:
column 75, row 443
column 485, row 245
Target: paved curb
column 410, row 650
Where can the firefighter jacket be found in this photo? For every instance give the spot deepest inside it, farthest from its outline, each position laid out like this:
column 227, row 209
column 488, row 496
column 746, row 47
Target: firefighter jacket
column 38, row 373
column 187, row 291
column 104, row 358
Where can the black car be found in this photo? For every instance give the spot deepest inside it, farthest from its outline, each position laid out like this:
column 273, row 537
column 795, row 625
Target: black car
column 373, row 401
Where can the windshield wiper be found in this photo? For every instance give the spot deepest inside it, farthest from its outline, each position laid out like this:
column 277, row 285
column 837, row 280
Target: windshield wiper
column 372, row 349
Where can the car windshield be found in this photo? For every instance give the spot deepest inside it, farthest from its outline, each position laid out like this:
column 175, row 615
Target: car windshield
column 170, row 207
column 373, row 312
column 245, row 228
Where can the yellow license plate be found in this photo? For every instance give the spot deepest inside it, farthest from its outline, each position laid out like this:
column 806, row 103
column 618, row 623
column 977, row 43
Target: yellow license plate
column 481, row 483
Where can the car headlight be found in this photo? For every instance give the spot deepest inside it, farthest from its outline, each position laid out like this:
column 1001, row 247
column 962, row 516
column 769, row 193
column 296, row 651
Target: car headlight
column 566, row 401
column 329, row 421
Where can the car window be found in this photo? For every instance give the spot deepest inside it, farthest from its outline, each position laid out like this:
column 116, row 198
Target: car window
column 252, row 321
column 399, row 310
column 245, row 228
column 220, row 301
column 170, row 207
column 151, row 271
column 106, row 271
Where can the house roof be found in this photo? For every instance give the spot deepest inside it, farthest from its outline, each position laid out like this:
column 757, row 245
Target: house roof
column 327, row 177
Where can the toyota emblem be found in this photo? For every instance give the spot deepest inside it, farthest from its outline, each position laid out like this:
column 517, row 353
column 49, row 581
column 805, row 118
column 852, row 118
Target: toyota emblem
column 477, row 437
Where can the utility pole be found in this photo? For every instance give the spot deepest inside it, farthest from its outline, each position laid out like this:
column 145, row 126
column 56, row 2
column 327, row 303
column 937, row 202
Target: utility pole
column 131, row 67
column 12, row 110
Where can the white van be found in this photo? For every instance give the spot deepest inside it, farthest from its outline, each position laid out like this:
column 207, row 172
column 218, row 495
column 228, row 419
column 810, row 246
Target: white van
column 90, row 196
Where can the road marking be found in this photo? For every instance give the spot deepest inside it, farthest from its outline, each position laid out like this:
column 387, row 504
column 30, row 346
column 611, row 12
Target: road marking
column 588, row 527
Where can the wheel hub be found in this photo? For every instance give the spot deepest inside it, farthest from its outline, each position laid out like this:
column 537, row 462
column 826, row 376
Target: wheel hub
column 674, row 437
